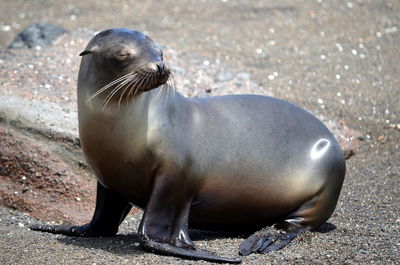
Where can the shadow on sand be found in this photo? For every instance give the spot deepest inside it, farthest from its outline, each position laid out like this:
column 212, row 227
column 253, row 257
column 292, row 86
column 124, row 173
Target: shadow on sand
column 129, row 244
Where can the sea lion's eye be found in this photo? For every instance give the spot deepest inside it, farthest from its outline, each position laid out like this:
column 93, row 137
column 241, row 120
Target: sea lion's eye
column 122, row 56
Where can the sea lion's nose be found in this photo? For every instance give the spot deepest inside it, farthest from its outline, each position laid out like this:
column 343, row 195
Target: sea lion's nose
column 162, row 69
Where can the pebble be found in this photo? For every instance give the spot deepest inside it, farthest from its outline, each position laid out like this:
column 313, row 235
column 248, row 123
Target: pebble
column 244, row 76
column 223, row 77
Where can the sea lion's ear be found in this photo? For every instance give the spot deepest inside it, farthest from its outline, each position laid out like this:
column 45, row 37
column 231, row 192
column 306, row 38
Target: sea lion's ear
column 88, row 51
column 85, row 52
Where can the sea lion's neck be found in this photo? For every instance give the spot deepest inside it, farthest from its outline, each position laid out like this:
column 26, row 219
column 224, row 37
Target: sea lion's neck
column 139, row 113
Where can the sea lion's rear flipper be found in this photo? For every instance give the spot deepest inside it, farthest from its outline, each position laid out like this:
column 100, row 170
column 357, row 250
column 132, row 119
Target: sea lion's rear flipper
column 164, row 225
column 110, row 211
column 270, row 239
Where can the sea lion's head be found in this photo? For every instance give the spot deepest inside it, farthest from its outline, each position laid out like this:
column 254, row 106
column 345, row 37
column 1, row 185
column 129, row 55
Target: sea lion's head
column 122, row 63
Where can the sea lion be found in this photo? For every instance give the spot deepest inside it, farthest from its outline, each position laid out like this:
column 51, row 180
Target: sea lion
column 237, row 162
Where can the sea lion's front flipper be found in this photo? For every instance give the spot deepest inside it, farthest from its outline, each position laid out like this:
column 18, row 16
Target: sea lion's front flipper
column 270, row 239
column 164, row 225
column 188, row 253
column 110, row 211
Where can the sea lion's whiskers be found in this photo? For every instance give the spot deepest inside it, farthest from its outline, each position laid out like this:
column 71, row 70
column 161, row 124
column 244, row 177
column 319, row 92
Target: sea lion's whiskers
column 122, row 94
column 120, row 86
column 133, row 85
column 107, row 86
column 150, row 80
column 170, row 87
column 160, row 92
column 130, row 85
column 172, row 84
column 139, row 80
column 113, row 92
column 130, row 88
column 156, row 98
column 109, row 96
column 165, row 89
column 154, row 79
column 101, row 90
column 143, row 80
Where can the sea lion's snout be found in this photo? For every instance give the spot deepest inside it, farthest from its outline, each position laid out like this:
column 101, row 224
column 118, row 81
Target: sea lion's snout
column 159, row 72
column 159, row 68
column 163, row 71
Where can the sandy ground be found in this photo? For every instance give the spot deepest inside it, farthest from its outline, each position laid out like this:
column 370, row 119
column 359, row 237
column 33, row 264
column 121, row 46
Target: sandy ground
column 338, row 59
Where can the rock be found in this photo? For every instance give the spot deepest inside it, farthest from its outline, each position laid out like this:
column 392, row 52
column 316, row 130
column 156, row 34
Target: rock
column 223, row 77
column 45, row 118
column 36, row 178
column 348, row 153
column 243, row 76
column 38, row 34
column 348, row 138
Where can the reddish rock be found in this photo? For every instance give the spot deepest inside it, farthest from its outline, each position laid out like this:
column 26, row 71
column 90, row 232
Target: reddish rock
column 36, row 180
